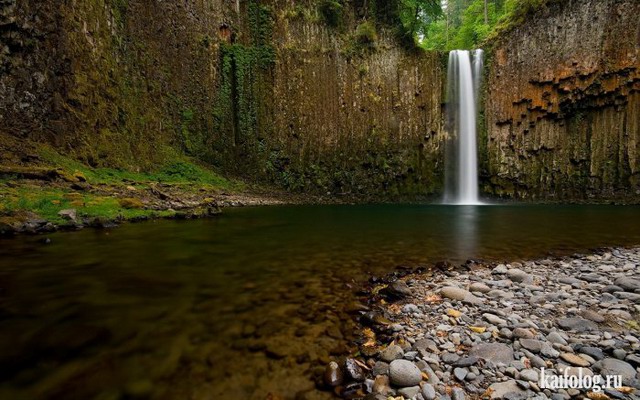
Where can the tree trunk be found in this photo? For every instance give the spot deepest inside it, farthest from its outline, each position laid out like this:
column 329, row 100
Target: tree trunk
column 486, row 16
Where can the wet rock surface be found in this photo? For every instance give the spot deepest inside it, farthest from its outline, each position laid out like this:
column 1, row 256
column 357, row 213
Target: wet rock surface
column 552, row 318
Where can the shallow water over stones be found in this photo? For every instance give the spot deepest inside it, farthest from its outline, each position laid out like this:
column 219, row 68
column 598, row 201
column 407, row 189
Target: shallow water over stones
column 252, row 303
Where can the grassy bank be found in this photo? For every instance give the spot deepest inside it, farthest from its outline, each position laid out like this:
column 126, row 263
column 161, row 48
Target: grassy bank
column 41, row 190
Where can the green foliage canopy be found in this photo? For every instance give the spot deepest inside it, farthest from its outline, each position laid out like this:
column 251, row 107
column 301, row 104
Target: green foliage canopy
column 465, row 24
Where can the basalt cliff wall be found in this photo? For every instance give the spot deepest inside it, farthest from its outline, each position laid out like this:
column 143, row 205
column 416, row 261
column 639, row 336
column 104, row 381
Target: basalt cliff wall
column 271, row 91
column 563, row 104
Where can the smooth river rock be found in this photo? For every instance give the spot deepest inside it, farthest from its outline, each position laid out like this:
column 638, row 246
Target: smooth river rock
column 577, row 324
column 494, row 352
column 404, row 373
column 593, row 352
column 628, row 283
column 479, row 287
column 333, row 375
column 592, row 316
column 613, row 366
column 428, row 391
column 391, row 353
column 503, row 390
column 523, row 333
column 456, row 293
column 518, row 275
column 409, row 392
column 574, row 359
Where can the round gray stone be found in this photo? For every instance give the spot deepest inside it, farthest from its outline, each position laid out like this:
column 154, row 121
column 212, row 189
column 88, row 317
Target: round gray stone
column 494, row 352
column 628, row 283
column 613, row 366
column 577, row 324
column 428, row 391
column 404, row 373
column 409, row 392
column 391, row 353
column 460, row 373
column 529, row 375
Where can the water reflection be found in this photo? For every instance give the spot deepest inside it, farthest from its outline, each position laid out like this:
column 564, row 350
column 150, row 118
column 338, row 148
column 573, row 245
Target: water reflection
column 466, row 227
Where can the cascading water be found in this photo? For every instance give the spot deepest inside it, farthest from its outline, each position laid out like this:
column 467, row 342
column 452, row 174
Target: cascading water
column 461, row 159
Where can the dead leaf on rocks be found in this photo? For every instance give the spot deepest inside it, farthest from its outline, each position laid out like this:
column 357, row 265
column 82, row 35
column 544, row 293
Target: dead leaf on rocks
column 478, row 329
column 454, row 313
column 362, row 365
column 487, row 393
column 394, row 309
column 434, row 298
column 598, row 396
column 369, row 343
column 377, row 289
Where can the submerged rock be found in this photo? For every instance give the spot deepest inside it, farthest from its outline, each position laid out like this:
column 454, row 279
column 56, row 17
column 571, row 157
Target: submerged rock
column 396, row 290
column 333, row 375
column 354, row 371
column 374, row 319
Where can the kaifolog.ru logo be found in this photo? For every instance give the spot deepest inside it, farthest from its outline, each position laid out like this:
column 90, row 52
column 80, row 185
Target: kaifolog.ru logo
column 571, row 380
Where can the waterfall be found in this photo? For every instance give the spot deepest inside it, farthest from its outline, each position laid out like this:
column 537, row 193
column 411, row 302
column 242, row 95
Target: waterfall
column 461, row 158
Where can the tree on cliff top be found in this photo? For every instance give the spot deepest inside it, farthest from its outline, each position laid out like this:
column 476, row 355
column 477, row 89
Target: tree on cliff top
column 468, row 23
column 415, row 16
column 407, row 17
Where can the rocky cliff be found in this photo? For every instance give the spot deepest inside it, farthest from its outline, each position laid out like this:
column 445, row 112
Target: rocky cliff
column 275, row 91
column 563, row 103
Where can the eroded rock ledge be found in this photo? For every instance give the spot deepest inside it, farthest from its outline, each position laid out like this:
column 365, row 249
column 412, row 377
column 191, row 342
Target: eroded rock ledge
column 563, row 103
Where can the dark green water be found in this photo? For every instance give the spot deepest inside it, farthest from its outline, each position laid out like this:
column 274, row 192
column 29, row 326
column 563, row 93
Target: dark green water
column 244, row 304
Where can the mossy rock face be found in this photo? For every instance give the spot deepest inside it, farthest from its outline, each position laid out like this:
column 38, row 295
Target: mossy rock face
column 130, row 203
column 79, row 176
column 253, row 102
column 331, row 11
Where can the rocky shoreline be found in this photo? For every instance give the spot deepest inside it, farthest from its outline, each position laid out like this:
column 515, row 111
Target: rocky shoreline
column 491, row 331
